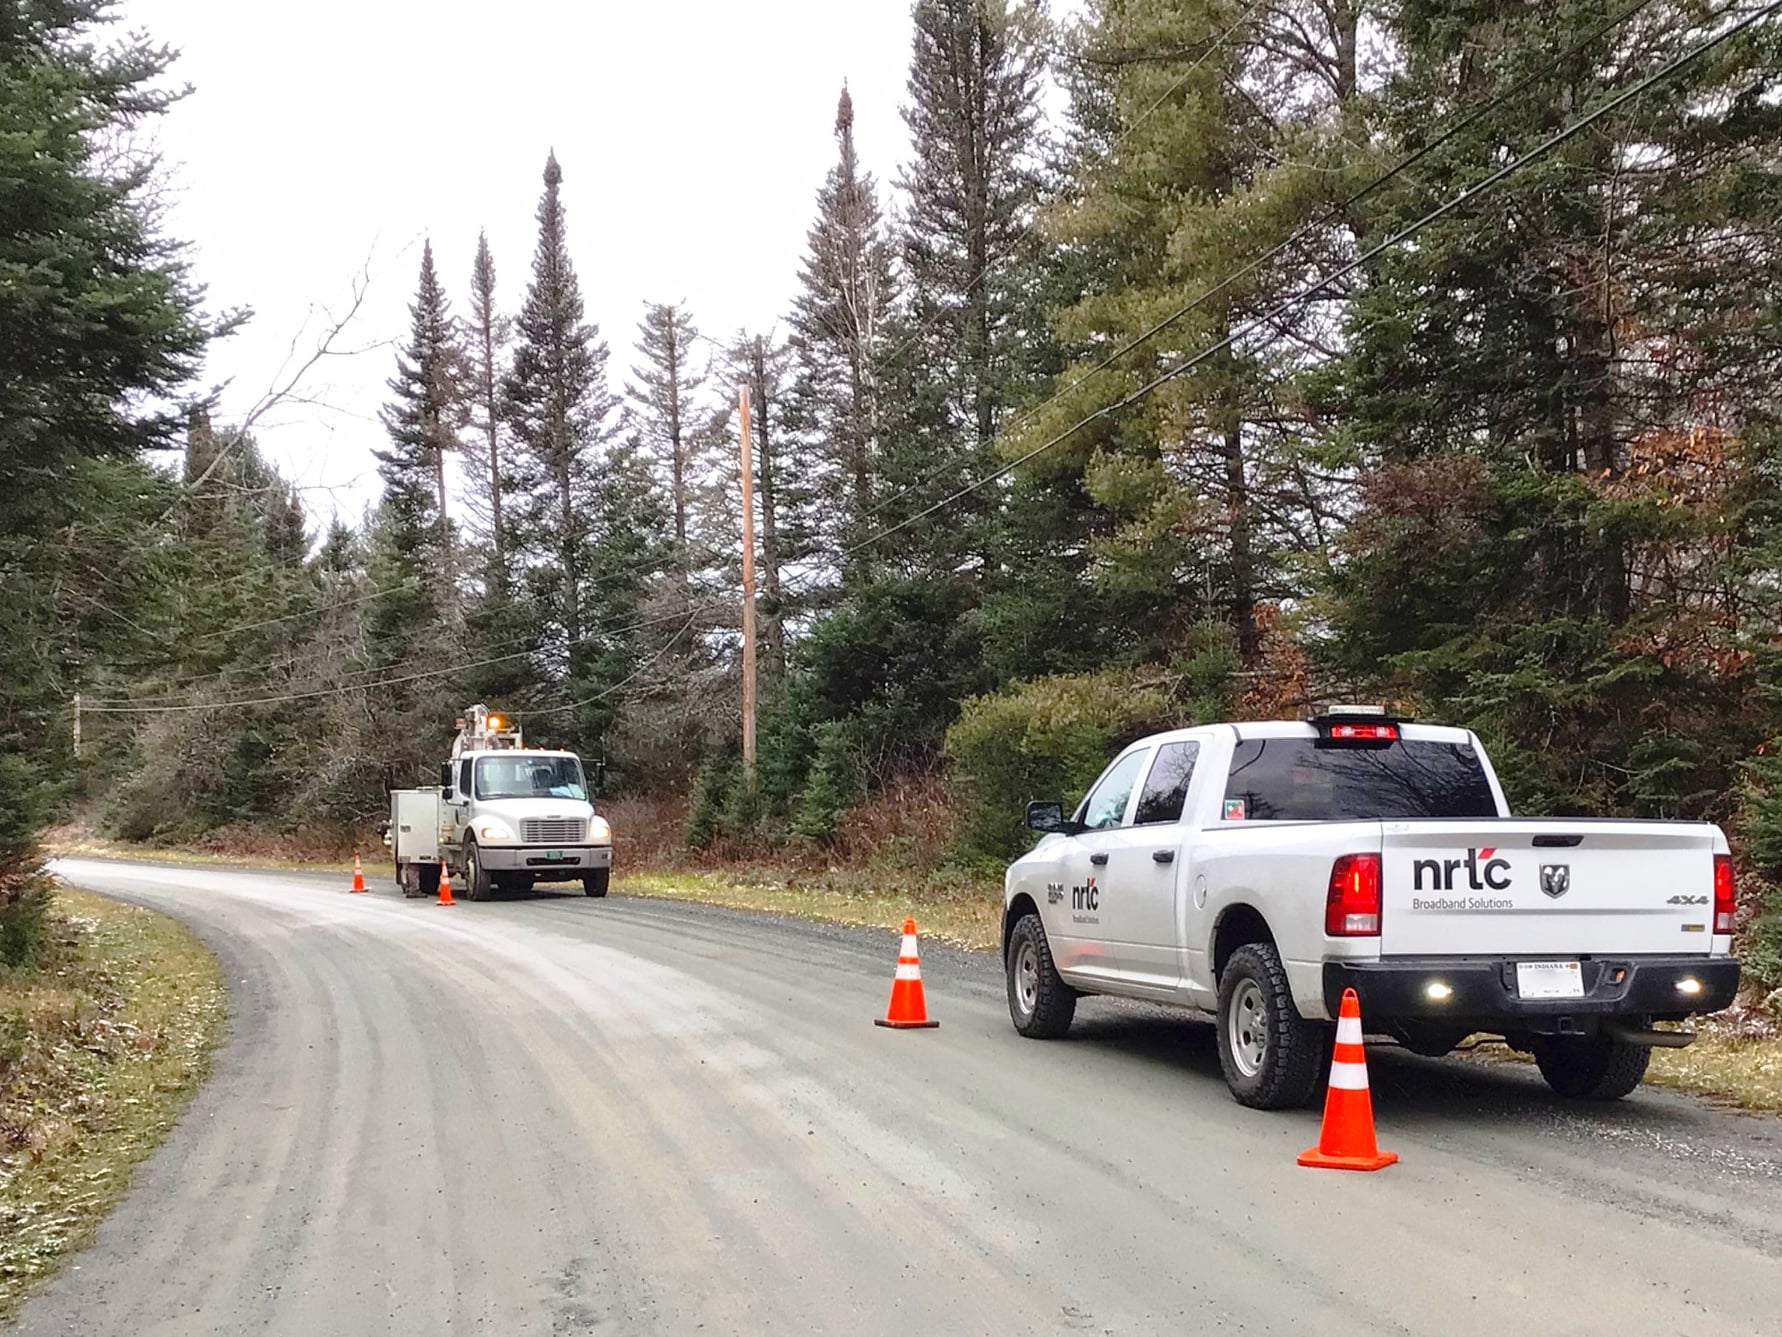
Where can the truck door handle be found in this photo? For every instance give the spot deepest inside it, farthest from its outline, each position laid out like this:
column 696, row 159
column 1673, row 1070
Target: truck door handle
column 1098, row 859
column 1163, row 856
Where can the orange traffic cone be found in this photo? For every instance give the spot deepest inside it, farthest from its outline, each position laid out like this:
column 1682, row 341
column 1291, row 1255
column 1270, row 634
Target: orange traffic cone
column 358, row 875
column 908, row 1010
column 445, row 884
column 1346, row 1141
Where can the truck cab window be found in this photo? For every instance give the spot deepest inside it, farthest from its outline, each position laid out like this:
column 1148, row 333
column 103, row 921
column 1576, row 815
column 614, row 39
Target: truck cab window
column 464, row 780
column 530, row 776
column 1106, row 803
column 1166, row 788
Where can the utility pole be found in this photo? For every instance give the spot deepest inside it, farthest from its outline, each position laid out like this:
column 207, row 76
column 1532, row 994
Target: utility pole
column 748, row 575
column 77, row 726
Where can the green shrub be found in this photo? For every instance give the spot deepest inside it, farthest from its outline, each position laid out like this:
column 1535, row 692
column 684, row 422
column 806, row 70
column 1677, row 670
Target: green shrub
column 23, row 927
column 836, row 783
column 1760, row 951
column 711, row 794
column 1048, row 738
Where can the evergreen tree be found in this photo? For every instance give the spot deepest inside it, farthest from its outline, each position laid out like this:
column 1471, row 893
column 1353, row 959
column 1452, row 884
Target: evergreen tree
column 102, row 330
column 559, row 411
column 1181, row 173
column 411, row 564
column 1566, row 397
column 838, row 325
column 487, row 334
column 972, row 185
column 782, row 497
column 666, row 395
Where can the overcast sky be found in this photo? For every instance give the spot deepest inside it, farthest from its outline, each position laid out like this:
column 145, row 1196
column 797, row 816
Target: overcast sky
column 693, row 136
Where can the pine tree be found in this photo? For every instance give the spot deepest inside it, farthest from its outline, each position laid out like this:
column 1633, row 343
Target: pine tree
column 419, row 421
column 1181, row 175
column 1565, row 397
column 838, row 325
column 103, row 329
column 973, row 184
column 486, row 340
column 558, row 409
column 783, row 499
column 666, row 396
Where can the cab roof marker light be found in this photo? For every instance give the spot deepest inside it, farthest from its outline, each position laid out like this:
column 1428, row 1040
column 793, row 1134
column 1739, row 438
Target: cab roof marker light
column 1368, row 733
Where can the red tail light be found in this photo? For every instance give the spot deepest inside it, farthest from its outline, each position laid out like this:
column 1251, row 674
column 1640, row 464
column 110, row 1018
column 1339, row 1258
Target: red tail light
column 1364, row 733
column 1726, row 903
column 1353, row 908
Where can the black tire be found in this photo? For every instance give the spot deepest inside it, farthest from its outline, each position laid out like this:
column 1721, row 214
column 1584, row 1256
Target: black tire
column 1040, row 1003
column 1271, row 1056
column 476, row 878
column 1598, row 1069
column 426, row 880
column 596, row 883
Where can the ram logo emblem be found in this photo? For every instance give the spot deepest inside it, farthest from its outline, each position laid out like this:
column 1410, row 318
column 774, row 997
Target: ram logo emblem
column 1556, row 879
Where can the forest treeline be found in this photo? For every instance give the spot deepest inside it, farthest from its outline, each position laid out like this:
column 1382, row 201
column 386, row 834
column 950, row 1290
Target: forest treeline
column 1204, row 359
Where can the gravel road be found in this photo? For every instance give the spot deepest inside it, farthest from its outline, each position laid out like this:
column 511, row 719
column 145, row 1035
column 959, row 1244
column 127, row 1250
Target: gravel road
column 561, row 1115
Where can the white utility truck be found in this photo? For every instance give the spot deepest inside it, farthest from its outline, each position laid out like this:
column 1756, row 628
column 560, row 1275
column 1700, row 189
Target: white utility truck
column 504, row 817
column 1256, row 871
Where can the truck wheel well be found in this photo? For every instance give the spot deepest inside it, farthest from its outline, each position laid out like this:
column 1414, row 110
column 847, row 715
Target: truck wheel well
column 1021, row 905
column 1237, row 927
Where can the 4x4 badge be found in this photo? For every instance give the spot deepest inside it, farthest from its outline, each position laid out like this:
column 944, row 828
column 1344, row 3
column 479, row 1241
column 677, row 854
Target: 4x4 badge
column 1556, row 879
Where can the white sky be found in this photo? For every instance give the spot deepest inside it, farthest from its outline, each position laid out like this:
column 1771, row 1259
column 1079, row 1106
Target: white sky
column 693, row 136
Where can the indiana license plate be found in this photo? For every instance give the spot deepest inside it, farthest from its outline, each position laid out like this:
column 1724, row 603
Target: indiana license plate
column 1549, row 979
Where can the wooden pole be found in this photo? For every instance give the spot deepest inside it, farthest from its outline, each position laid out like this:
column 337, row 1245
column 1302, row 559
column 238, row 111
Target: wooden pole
column 748, row 575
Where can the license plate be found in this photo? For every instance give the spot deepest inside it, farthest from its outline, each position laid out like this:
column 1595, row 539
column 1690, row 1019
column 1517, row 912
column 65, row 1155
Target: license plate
column 1549, row 979
column 553, row 855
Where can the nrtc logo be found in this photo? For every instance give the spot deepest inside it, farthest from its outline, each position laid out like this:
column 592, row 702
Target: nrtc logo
column 1086, row 897
column 1556, row 879
column 1482, row 871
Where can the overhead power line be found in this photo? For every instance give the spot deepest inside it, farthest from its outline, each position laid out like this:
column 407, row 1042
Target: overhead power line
column 1284, row 307
column 1334, row 214
column 440, row 671
column 1022, row 235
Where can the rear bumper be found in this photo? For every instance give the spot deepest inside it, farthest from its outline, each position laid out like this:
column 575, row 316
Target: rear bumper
column 1484, row 990
column 535, row 859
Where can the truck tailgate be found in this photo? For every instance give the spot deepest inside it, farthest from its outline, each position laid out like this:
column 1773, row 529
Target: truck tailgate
column 1588, row 887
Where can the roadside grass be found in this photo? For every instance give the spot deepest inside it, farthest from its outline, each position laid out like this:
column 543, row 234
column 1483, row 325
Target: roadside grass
column 70, row 842
column 101, row 1046
column 966, row 912
column 1743, row 1071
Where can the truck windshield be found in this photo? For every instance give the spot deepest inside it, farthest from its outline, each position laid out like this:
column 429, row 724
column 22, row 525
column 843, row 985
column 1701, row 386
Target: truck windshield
column 522, row 776
column 1298, row 780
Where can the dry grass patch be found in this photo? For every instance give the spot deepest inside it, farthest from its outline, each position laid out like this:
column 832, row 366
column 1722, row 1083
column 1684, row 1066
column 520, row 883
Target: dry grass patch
column 75, row 843
column 100, row 1048
column 967, row 913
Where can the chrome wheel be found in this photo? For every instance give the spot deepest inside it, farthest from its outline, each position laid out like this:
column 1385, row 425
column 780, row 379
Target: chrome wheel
column 1246, row 1028
column 1026, row 978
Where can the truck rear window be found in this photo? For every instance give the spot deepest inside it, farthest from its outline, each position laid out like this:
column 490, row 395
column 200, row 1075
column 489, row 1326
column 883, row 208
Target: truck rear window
column 1299, row 780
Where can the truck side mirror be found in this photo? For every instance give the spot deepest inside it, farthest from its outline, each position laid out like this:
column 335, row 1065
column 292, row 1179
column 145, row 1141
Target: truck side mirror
column 1050, row 818
column 445, row 778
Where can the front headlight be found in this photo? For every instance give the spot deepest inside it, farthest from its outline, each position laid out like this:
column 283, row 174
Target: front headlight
column 599, row 833
column 492, row 829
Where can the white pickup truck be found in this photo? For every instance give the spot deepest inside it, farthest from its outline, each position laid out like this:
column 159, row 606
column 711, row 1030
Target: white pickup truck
column 1255, row 871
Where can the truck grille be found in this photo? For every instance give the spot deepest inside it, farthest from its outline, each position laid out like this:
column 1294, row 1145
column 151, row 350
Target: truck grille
column 553, row 830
